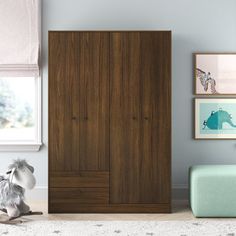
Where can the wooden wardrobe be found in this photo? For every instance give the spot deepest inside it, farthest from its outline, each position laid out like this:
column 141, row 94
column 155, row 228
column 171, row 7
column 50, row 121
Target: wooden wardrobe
column 109, row 121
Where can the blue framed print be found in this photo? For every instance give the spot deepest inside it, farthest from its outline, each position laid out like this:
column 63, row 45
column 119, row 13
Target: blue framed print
column 215, row 118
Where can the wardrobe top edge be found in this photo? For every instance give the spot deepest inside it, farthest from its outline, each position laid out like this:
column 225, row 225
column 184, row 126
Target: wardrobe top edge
column 112, row 31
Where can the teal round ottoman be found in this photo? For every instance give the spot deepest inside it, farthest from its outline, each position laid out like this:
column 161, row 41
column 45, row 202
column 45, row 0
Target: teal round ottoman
column 213, row 190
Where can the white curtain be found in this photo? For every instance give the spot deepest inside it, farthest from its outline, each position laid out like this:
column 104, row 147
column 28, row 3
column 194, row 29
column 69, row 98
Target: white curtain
column 19, row 37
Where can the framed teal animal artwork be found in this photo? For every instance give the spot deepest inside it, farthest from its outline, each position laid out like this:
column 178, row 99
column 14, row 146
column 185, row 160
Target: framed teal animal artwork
column 215, row 118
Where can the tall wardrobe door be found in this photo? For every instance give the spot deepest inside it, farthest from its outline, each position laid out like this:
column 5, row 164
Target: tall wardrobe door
column 91, row 103
column 78, row 120
column 140, row 117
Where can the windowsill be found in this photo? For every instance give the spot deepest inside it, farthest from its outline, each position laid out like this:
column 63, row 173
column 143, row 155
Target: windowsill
column 20, row 147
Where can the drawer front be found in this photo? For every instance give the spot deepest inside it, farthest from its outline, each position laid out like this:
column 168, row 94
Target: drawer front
column 83, row 179
column 79, row 195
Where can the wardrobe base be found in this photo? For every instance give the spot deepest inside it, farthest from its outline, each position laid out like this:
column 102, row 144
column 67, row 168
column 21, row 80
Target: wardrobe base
column 113, row 208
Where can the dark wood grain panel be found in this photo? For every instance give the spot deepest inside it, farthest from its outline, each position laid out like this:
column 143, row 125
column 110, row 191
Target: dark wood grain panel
column 79, row 101
column 156, row 115
column 81, row 179
column 93, row 113
column 80, row 195
column 109, row 121
column 124, row 115
column 114, row 208
column 60, row 109
column 140, row 114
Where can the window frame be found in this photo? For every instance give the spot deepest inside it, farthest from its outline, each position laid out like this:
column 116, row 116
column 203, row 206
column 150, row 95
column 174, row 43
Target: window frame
column 32, row 146
column 29, row 146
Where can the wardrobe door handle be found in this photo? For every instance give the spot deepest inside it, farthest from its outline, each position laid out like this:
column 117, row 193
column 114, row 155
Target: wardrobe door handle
column 74, row 118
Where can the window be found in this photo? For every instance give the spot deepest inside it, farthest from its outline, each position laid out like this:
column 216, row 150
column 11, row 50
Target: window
column 20, row 113
column 20, row 83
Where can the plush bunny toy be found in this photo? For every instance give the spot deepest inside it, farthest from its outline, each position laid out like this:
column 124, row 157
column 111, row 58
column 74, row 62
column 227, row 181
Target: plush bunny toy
column 12, row 188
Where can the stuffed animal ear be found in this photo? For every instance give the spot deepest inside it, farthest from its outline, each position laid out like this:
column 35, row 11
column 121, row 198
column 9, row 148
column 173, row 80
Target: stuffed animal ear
column 24, row 178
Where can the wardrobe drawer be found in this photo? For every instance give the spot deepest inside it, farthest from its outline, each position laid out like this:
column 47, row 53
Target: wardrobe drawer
column 83, row 179
column 80, row 195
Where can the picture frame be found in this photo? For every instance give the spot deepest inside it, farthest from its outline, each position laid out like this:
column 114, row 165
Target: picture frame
column 215, row 118
column 215, row 74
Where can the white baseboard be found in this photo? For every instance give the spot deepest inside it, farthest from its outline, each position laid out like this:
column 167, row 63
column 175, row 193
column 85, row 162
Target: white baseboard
column 40, row 193
column 180, row 192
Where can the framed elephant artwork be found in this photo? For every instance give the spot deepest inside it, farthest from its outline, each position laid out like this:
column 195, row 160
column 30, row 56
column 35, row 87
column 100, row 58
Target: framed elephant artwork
column 215, row 118
column 215, row 73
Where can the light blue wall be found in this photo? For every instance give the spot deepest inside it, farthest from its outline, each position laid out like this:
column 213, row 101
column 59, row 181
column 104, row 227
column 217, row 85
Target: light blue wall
column 196, row 25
